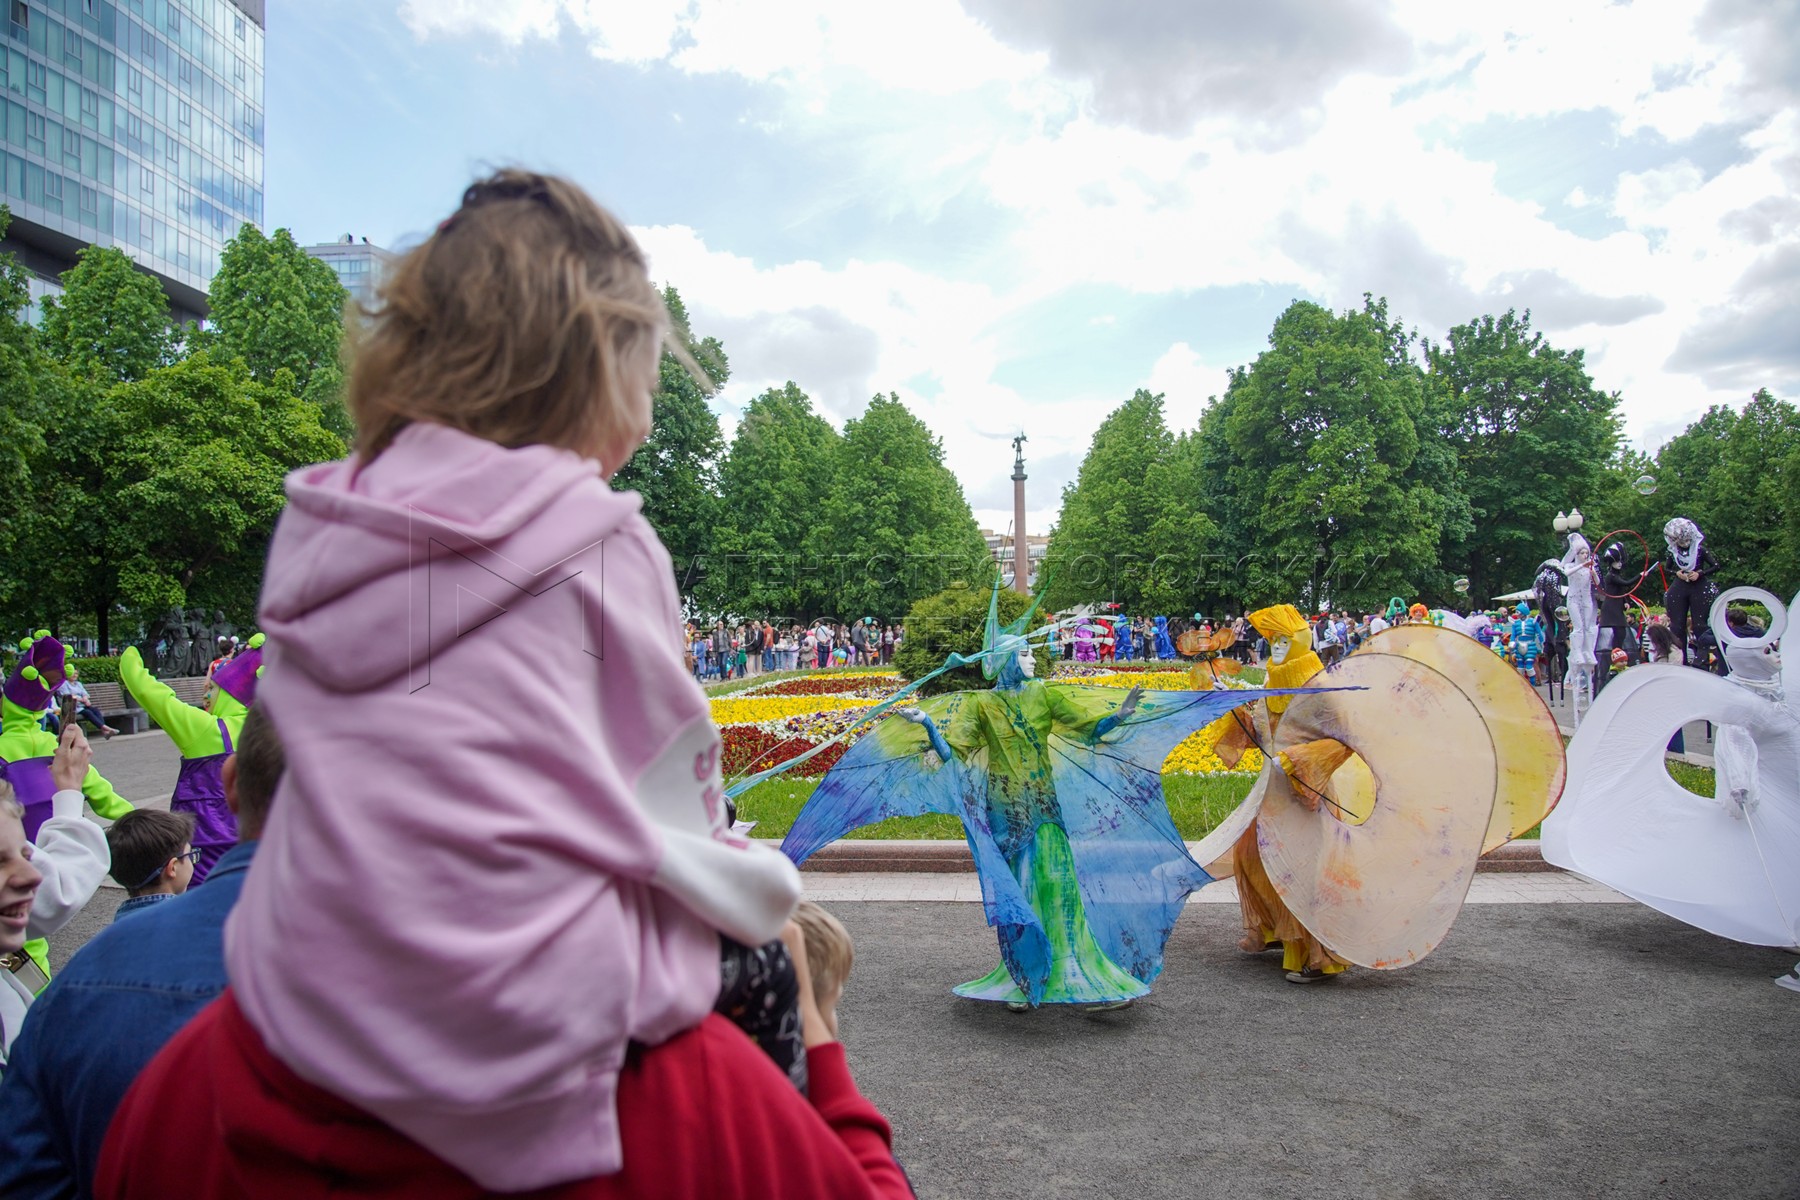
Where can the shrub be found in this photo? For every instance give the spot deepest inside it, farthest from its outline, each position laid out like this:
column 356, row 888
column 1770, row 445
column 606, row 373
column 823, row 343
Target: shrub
column 950, row 622
column 97, row 670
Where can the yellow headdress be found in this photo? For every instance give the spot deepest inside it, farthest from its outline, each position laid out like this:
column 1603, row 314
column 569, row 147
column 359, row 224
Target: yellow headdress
column 1279, row 621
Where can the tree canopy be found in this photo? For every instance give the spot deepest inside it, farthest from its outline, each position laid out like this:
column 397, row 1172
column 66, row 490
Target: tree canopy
column 676, row 470
column 111, row 324
column 1323, row 430
column 1133, row 526
column 895, row 525
column 1532, row 437
column 773, row 485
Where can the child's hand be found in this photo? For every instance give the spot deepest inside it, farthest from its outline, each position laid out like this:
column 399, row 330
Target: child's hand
column 73, row 754
column 815, row 1029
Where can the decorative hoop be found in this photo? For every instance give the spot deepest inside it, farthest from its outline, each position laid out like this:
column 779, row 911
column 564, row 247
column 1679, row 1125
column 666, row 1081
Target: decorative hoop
column 1722, row 628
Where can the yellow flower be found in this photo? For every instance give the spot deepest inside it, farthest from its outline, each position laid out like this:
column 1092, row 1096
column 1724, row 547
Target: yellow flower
column 1150, row 681
column 1195, row 756
column 734, row 711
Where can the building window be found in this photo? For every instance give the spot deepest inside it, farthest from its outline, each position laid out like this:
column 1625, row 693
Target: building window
column 90, row 107
column 147, row 181
column 34, row 132
column 134, row 132
column 90, row 206
column 72, row 46
column 71, row 149
column 37, row 78
column 172, row 152
column 238, row 27
column 184, row 70
column 53, row 190
column 134, row 83
column 174, row 21
column 185, row 114
column 238, row 66
column 21, row 16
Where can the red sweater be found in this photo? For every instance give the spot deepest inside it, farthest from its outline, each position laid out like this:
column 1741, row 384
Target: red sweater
column 704, row 1115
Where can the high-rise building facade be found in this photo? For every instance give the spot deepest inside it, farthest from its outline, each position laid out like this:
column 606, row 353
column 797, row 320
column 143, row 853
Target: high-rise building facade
column 360, row 265
column 136, row 124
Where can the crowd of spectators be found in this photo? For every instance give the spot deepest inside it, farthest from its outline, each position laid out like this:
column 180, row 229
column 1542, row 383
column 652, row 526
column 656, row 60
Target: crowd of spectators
column 737, row 651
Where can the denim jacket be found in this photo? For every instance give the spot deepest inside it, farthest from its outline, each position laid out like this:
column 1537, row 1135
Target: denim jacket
column 124, row 995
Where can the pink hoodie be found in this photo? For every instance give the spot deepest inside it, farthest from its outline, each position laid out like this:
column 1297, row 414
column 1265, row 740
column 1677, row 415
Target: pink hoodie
column 500, row 852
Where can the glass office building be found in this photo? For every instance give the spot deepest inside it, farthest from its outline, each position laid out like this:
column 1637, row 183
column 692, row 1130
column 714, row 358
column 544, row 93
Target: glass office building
column 360, row 266
column 136, row 124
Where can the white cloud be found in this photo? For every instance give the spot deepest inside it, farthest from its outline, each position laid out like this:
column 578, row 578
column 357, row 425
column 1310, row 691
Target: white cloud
column 1166, row 194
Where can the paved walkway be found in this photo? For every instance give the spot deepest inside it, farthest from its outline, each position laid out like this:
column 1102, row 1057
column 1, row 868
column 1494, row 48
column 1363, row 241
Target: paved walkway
column 1543, row 1052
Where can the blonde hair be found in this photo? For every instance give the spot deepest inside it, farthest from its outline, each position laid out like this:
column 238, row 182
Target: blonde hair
column 829, row 950
column 522, row 320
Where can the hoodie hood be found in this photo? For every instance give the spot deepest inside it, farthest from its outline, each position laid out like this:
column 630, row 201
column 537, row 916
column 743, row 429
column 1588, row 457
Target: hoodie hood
column 482, row 515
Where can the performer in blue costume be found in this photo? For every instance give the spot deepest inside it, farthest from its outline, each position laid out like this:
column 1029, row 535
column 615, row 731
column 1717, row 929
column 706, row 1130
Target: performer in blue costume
column 1059, row 789
column 1165, row 648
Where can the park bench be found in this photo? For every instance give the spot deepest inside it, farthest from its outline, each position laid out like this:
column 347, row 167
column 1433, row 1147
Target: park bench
column 121, row 710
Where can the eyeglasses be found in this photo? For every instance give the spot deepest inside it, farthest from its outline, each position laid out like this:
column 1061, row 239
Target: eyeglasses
column 187, row 856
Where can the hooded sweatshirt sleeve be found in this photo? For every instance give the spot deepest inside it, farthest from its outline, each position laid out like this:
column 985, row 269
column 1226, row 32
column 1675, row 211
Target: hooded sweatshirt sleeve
column 71, row 854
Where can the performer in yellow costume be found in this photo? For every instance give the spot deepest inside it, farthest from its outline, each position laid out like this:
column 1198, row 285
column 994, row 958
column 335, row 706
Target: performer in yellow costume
column 1267, row 922
column 1378, row 794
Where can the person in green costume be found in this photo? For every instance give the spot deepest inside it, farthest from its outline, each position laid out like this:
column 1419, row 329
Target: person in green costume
column 27, row 748
column 205, row 737
column 1059, row 789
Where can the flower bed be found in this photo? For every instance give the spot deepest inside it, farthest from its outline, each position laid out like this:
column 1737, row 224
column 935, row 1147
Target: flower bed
column 764, row 727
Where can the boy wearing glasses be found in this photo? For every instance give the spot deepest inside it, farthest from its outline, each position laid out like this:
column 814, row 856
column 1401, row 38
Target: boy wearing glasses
column 152, row 856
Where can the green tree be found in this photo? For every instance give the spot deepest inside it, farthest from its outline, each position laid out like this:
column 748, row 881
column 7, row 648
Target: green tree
column 896, row 525
column 676, row 470
column 21, row 425
column 279, row 309
column 773, row 483
column 954, row 621
column 111, row 324
column 1132, row 528
column 1531, row 436
column 1324, row 443
column 163, row 492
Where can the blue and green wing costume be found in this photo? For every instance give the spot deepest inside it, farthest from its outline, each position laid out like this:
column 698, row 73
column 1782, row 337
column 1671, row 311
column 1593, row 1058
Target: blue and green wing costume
column 1083, row 874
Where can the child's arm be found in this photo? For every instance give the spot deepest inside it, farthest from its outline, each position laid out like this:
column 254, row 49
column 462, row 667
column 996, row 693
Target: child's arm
column 70, row 851
column 191, row 728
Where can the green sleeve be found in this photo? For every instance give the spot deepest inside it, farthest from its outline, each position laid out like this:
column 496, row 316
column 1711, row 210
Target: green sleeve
column 193, row 730
column 101, row 797
column 1076, row 710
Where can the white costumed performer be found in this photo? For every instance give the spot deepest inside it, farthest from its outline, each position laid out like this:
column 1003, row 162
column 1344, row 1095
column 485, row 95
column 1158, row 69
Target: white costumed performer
column 1584, row 624
column 1730, row 864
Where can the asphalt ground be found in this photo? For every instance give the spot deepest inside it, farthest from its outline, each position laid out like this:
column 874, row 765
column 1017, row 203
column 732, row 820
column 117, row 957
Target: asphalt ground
column 1544, row 1050
column 1555, row 1050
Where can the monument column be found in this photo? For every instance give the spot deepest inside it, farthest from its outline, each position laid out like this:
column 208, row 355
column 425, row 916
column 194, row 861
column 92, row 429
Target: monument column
column 1021, row 552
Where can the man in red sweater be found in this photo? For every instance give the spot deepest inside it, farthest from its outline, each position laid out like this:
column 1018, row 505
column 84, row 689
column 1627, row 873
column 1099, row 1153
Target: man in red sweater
column 706, row 1115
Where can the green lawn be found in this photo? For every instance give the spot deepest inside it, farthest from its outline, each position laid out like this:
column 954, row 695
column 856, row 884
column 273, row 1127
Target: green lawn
column 1198, row 802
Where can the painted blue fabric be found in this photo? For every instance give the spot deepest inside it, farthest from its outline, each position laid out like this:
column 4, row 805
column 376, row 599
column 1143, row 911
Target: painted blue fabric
column 1061, row 760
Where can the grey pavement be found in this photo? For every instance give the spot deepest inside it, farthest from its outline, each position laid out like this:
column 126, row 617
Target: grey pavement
column 140, row 766
column 1545, row 1050
column 1581, row 1050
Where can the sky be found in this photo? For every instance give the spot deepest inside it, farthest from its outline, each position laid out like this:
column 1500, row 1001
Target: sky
column 1014, row 213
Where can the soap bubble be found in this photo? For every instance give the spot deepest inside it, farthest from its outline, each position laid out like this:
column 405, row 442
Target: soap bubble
column 1462, row 584
column 1645, row 485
